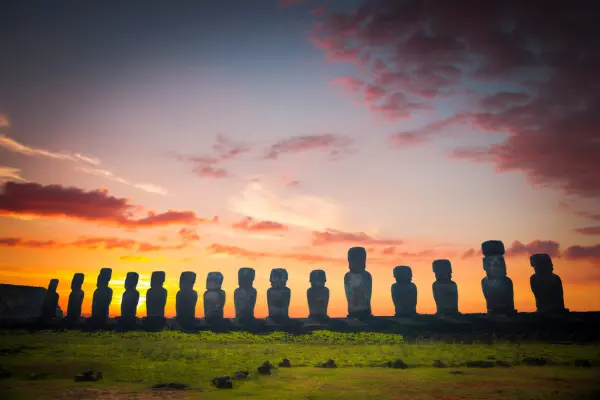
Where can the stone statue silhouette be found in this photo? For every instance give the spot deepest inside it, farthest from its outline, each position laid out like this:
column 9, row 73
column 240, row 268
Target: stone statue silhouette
column 358, row 284
column 75, row 298
column 318, row 295
column 244, row 296
column 445, row 290
column 497, row 287
column 102, row 297
column 278, row 296
column 214, row 298
column 50, row 302
column 156, row 296
column 185, row 302
column 131, row 296
column 546, row 286
column 404, row 292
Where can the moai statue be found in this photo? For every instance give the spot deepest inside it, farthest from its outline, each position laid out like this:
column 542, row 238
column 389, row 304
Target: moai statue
column 358, row 284
column 497, row 287
column 244, row 296
column 102, row 297
column 318, row 295
column 131, row 297
column 214, row 298
column 50, row 302
column 546, row 286
column 156, row 296
column 278, row 295
column 404, row 292
column 75, row 298
column 445, row 291
column 185, row 302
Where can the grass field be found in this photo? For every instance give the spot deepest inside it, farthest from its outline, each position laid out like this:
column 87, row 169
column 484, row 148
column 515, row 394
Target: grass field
column 131, row 363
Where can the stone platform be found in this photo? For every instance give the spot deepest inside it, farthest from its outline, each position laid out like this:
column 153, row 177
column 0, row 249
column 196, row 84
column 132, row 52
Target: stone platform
column 466, row 328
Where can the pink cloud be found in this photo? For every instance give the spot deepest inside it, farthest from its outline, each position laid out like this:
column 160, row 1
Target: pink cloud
column 251, row 225
column 332, row 236
column 413, row 53
column 589, row 230
column 589, row 253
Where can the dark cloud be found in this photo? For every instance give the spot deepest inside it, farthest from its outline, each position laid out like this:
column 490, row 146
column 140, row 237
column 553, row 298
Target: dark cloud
column 56, row 201
column 589, row 230
column 549, row 247
column 414, row 51
column 588, row 253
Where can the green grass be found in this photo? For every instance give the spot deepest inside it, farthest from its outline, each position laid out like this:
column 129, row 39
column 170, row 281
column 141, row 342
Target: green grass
column 133, row 362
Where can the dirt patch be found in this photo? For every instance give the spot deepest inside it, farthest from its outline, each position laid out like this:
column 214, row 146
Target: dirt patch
column 115, row 394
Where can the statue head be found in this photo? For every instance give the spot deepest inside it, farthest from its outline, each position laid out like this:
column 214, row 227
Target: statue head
column 53, row 285
column 541, row 263
column 492, row 248
column 77, row 281
column 318, row 278
column 403, row 274
column 494, row 266
column 442, row 270
column 279, row 277
column 246, row 277
column 357, row 259
column 131, row 280
column 104, row 277
column 157, row 279
column 187, row 280
column 214, row 280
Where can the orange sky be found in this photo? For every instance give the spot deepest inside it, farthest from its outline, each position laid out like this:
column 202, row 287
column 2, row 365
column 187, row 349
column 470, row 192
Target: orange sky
column 197, row 138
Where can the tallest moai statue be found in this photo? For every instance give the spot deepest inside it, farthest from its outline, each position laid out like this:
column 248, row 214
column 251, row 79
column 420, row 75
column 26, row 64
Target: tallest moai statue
column 358, row 284
column 497, row 287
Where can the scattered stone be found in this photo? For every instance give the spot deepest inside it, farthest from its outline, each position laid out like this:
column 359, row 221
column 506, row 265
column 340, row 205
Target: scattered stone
column 240, row 375
column 583, row 363
column 265, row 368
column 480, row 364
column 327, row 364
column 398, row 363
column 170, row 386
column 88, row 376
column 538, row 361
column 4, row 373
column 285, row 363
column 456, row 373
column 502, row 364
column 223, row 382
column 491, row 357
column 439, row 364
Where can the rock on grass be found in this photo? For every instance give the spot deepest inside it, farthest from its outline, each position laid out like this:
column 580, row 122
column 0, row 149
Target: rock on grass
column 398, row 363
column 583, row 363
column 538, row 361
column 285, row 363
column 223, row 382
column 439, row 364
column 88, row 376
column 327, row 364
column 170, row 386
column 480, row 364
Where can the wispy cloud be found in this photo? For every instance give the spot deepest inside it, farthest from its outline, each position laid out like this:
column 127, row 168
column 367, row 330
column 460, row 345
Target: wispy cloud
column 209, row 166
column 10, row 174
column 92, row 163
column 332, row 236
column 227, row 250
column 335, row 145
column 4, row 122
column 311, row 212
column 90, row 243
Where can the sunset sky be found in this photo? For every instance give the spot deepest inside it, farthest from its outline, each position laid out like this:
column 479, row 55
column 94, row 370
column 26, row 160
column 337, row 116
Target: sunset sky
column 213, row 135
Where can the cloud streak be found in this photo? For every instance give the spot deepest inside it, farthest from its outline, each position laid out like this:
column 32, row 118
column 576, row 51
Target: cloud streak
column 251, row 225
column 332, row 236
column 90, row 243
column 335, row 145
column 91, row 163
column 227, row 250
